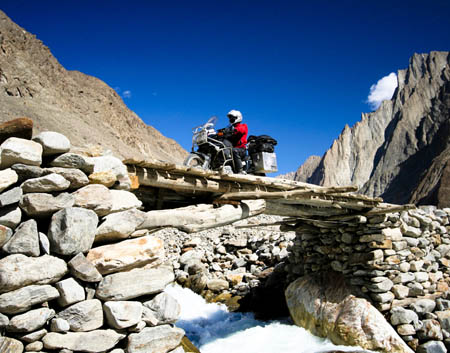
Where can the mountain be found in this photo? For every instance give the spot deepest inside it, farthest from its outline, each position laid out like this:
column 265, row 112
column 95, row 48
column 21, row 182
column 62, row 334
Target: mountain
column 401, row 151
column 85, row 109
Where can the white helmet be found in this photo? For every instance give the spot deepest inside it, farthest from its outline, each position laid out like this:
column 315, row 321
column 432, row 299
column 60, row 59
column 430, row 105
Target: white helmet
column 235, row 116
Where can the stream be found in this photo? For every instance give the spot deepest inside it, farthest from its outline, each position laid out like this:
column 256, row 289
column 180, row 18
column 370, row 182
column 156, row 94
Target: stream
column 213, row 329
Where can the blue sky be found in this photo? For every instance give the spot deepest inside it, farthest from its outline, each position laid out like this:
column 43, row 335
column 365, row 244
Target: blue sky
column 297, row 70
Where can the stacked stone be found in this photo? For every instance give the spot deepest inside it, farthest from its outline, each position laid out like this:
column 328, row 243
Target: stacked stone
column 399, row 261
column 60, row 290
column 229, row 260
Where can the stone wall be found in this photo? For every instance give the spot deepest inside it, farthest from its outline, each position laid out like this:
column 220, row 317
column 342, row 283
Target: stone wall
column 75, row 275
column 399, row 261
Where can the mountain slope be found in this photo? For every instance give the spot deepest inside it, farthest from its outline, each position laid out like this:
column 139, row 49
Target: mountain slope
column 89, row 112
column 398, row 151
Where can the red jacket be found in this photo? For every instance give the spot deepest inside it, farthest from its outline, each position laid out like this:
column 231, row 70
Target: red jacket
column 240, row 133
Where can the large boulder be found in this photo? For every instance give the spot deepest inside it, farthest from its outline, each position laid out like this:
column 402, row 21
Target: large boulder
column 10, row 345
column 18, row 270
column 7, row 178
column 83, row 269
column 25, row 240
column 95, row 197
column 76, row 177
column 127, row 254
column 324, row 305
column 44, row 205
column 31, row 320
column 22, row 299
column 84, row 316
column 16, row 150
column 122, row 314
column 93, row 341
column 119, row 225
column 47, row 183
column 73, row 160
column 134, row 283
column 72, row 230
column 159, row 339
column 52, row 142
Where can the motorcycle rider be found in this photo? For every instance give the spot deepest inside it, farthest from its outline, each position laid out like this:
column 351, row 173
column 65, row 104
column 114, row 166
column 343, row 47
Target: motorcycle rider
column 238, row 138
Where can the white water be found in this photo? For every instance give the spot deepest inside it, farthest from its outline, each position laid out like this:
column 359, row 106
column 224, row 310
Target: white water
column 215, row 330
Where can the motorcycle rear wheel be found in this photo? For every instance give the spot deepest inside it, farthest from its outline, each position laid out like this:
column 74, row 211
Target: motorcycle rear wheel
column 193, row 161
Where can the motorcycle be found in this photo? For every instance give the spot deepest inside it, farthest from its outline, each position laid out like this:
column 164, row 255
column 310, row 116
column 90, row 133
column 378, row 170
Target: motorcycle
column 212, row 149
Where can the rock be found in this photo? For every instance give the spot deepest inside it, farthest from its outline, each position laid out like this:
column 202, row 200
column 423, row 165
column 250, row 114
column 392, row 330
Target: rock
column 197, row 282
column 122, row 314
column 5, row 235
column 34, row 347
column 10, row 217
column 20, row 127
column 30, row 321
column 44, row 244
column 15, row 150
column 380, row 287
column 11, row 197
column 83, row 269
column 94, row 197
column 134, row 283
column 127, row 254
column 46, row 183
column 188, row 256
column 432, row 347
column 22, row 299
column 52, row 143
column 124, row 200
column 324, row 305
column 33, row 336
column 59, row 325
column 43, row 205
column 106, row 178
column 10, row 345
column 8, row 177
column 84, row 316
column 217, row 285
column 25, row 240
column 431, row 330
column 400, row 291
column 18, row 270
column 72, row 230
column 73, row 160
column 4, row 321
column 159, row 339
column 95, row 341
column 406, row 330
column 165, row 308
column 120, row 225
column 114, row 165
column 70, row 292
column 28, row 171
column 401, row 315
column 76, row 177
column 423, row 306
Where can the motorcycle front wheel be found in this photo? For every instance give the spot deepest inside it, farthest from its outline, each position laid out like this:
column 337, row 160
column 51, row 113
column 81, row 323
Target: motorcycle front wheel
column 193, row 161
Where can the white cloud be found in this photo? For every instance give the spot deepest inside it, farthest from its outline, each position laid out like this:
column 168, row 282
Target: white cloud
column 382, row 90
column 126, row 94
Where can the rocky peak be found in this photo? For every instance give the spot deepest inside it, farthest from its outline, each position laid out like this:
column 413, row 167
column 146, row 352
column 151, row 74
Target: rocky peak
column 34, row 84
column 390, row 151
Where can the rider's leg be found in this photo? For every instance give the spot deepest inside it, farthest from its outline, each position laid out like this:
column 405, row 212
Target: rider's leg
column 237, row 153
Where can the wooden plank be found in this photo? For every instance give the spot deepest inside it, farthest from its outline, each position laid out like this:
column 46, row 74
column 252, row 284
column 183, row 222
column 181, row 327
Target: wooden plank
column 295, row 210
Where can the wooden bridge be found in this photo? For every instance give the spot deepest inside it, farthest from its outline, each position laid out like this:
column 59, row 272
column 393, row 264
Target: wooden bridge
column 167, row 186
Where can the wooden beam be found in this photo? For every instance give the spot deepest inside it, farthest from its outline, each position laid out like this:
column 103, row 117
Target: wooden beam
column 200, row 217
